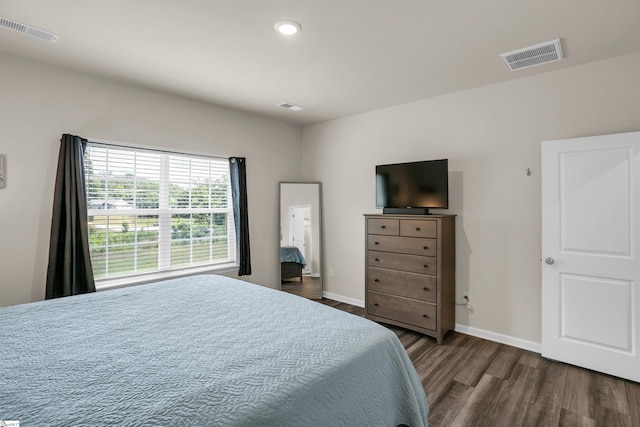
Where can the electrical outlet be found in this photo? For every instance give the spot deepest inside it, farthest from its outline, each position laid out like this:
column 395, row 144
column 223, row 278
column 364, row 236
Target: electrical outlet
column 3, row 171
column 467, row 299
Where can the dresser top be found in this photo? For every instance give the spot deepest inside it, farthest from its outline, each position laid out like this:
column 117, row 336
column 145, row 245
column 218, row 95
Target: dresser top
column 401, row 216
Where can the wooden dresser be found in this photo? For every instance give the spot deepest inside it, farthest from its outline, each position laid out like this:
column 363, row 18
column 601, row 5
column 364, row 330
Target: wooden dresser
column 410, row 276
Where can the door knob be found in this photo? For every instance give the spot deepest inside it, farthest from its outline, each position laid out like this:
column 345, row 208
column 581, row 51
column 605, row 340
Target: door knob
column 549, row 260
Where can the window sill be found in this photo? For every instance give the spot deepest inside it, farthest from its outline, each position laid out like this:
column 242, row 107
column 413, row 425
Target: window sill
column 123, row 282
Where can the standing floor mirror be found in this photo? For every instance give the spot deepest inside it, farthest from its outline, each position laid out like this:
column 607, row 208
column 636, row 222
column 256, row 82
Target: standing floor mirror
column 301, row 239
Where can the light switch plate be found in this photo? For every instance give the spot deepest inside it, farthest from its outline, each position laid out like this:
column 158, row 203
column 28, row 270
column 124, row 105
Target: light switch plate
column 3, row 171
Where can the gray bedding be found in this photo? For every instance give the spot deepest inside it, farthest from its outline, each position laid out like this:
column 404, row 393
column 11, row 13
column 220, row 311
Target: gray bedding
column 201, row 351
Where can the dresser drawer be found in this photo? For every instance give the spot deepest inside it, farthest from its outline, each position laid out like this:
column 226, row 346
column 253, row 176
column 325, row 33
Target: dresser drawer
column 390, row 227
column 401, row 283
column 404, row 262
column 418, row 228
column 422, row 314
column 403, row 245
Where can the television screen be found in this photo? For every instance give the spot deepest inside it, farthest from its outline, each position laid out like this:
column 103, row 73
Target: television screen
column 413, row 185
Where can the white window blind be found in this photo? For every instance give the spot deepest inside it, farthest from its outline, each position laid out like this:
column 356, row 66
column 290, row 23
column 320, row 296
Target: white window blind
column 153, row 211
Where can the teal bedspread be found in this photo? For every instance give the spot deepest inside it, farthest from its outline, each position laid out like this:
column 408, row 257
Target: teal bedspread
column 292, row 254
column 201, row 351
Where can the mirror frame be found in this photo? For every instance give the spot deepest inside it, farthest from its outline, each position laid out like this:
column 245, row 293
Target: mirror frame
column 316, row 293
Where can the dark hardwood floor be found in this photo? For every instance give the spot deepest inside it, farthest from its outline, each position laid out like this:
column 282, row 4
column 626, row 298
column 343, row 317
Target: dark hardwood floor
column 308, row 288
column 474, row 382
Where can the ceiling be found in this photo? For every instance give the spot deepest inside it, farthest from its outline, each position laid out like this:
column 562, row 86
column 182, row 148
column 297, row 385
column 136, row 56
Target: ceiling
column 351, row 56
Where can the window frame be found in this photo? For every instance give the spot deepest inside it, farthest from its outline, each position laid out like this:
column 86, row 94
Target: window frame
column 164, row 270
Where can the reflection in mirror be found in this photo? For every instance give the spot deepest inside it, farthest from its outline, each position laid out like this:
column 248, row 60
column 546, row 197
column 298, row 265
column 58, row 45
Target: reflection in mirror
column 300, row 239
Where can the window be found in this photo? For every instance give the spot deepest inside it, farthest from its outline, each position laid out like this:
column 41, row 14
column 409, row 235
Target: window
column 153, row 211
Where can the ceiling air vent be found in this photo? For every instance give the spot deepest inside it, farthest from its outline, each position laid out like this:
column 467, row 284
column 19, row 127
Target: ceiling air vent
column 290, row 106
column 533, row 55
column 28, row 30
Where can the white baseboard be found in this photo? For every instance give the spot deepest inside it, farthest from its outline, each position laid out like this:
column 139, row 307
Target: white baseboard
column 463, row 329
column 502, row 339
column 340, row 298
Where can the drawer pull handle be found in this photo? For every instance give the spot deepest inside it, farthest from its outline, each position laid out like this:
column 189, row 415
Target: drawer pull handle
column 425, row 316
column 376, row 243
column 377, row 259
column 417, row 228
column 376, row 280
column 376, row 304
column 425, row 266
column 383, row 226
column 425, row 289
column 425, row 247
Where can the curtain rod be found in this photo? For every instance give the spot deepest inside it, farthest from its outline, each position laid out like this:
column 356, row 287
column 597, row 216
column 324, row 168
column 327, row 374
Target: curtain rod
column 156, row 149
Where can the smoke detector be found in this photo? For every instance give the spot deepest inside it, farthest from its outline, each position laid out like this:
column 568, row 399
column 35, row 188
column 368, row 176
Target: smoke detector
column 533, row 55
column 19, row 27
column 290, row 106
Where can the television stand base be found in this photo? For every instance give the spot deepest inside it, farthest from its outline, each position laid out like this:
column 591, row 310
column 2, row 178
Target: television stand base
column 406, row 211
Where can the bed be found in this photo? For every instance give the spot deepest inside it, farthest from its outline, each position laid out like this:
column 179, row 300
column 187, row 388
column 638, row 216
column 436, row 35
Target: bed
column 201, row 351
column 292, row 263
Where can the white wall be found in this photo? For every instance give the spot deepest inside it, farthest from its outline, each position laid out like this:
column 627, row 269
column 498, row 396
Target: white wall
column 490, row 135
column 38, row 103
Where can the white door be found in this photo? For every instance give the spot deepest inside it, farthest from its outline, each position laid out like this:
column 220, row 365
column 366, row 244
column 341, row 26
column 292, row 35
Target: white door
column 299, row 216
column 590, row 265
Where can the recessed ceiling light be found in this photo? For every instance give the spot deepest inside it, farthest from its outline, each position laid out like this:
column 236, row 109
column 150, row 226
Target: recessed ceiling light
column 287, row 27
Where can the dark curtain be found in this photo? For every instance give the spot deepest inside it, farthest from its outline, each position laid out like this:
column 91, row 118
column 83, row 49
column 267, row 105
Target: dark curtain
column 238, row 169
column 69, row 271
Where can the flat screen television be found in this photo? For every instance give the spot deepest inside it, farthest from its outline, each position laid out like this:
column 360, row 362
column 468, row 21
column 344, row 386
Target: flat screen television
column 412, row 188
